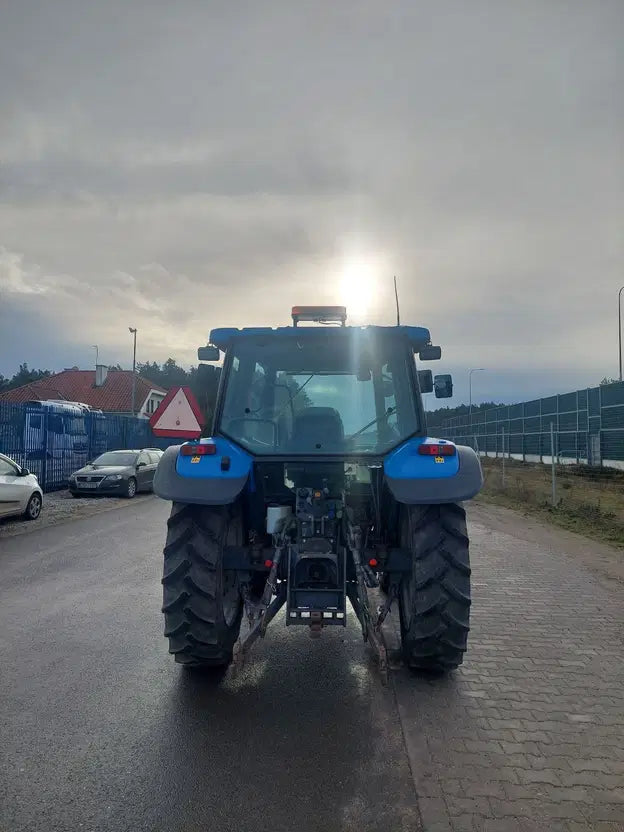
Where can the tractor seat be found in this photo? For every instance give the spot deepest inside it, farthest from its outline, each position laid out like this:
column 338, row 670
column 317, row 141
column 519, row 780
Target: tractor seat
column 317, row 428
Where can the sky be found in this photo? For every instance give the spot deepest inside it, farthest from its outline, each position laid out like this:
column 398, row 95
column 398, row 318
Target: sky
column 181, row 166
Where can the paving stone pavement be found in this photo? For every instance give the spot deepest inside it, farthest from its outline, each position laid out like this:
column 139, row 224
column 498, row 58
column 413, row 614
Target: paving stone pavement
column 529, row 734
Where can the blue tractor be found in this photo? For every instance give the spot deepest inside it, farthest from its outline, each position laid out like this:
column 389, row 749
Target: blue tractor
column 317, row 484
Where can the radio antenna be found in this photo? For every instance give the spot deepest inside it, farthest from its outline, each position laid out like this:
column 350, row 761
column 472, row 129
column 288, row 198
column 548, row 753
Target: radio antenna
column 396, row 297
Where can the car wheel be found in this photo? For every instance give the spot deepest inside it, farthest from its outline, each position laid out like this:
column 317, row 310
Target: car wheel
column 131, row 488
column 33, row 509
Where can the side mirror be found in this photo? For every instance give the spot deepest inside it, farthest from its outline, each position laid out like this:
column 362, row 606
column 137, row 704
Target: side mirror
column 430, row 353
column 208, row 353
column 24, row 472
column 425, row 381
column 206, row 372
column 141, row 465
column 443, row 386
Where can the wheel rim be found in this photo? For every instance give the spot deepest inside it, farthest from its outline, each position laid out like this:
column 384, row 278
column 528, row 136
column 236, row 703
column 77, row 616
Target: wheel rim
column 34, row 507
column 131, row 488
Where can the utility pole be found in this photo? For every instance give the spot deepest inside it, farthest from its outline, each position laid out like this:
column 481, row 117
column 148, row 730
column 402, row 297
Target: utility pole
column 396, row 298
column 620, row 328
column 134, row 332
column 470, row 372
column 552, row 462
column 97, row 353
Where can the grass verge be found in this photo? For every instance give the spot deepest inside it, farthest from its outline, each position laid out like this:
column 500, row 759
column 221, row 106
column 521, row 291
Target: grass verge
column 589, row 501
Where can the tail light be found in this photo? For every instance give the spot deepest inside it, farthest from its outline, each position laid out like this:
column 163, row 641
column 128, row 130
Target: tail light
column 431, row 449
column 205, row 449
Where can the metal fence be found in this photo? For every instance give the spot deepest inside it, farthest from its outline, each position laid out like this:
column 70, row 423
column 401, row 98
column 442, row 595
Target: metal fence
column 52, row 442
column 583, row 427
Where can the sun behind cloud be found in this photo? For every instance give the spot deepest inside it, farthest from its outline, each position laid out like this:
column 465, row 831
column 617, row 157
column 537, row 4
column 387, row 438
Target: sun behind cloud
column 360, row 282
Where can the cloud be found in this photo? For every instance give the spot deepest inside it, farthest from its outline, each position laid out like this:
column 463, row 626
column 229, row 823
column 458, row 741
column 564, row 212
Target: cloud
column 179, row 168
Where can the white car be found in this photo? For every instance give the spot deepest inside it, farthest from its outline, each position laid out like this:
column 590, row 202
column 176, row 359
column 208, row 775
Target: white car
column 20, row 492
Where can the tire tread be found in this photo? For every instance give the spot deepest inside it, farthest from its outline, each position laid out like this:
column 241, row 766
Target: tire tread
column 434, row 631
column 192, row 586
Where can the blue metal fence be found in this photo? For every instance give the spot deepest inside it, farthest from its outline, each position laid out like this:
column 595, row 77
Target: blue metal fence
column 54, row 441
column 588, row 427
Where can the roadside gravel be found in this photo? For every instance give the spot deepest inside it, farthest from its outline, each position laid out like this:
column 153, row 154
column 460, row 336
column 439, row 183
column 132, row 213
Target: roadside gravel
column 60, row 507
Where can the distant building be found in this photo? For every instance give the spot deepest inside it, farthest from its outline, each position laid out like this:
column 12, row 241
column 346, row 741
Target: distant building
column 101, row 389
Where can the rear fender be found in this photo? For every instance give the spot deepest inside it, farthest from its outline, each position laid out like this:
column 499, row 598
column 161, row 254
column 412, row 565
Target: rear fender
column 413, row 478
column 201, row 480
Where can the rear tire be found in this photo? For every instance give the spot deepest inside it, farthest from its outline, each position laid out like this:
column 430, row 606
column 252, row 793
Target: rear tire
column 131, row 488
column 33, row 509
column 201, row 602
column 434, row 601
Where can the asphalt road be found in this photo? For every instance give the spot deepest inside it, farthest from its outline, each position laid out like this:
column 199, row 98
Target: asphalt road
column 102, row 731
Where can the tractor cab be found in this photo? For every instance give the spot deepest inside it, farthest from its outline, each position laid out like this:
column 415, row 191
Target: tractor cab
column 321, row 390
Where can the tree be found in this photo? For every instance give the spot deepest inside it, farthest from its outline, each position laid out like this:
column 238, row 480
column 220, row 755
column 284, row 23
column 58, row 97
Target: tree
column 606, row 381
column 439, row 416
column 167, row 375
column 23, row 376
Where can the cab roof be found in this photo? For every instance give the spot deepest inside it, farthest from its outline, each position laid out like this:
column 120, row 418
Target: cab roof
column 418, row 336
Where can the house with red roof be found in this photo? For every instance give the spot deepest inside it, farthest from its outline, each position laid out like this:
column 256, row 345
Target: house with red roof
column 101, row 389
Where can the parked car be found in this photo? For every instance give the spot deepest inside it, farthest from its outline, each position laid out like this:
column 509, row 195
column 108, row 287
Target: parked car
column 20, row 492
column 117, row 472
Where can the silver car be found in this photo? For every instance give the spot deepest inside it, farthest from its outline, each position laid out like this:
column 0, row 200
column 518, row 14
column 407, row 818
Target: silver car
column 20, row 492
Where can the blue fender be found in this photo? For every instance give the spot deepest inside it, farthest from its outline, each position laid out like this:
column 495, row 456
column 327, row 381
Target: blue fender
column 201, row 479
column 413, row 478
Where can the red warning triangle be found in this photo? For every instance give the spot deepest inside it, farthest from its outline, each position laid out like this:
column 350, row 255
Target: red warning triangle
column 178, row 415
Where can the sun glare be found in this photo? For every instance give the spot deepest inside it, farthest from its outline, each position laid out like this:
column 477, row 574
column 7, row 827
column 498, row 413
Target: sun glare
column 358, row 286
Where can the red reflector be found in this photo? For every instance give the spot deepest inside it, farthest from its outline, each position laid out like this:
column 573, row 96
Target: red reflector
column 268, row 563
column 205, row 449
column 430, row 449
column 373, row 562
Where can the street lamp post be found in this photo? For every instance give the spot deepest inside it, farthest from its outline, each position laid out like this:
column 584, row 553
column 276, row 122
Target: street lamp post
column 470, row 372
column 620, row 328
column 134, row 332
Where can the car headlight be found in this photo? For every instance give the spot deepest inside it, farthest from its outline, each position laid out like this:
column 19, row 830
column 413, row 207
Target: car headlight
column 114, row 477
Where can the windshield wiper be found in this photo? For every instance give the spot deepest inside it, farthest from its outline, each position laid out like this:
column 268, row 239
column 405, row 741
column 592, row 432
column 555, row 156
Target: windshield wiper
column 292, row 397
column 388, row 412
